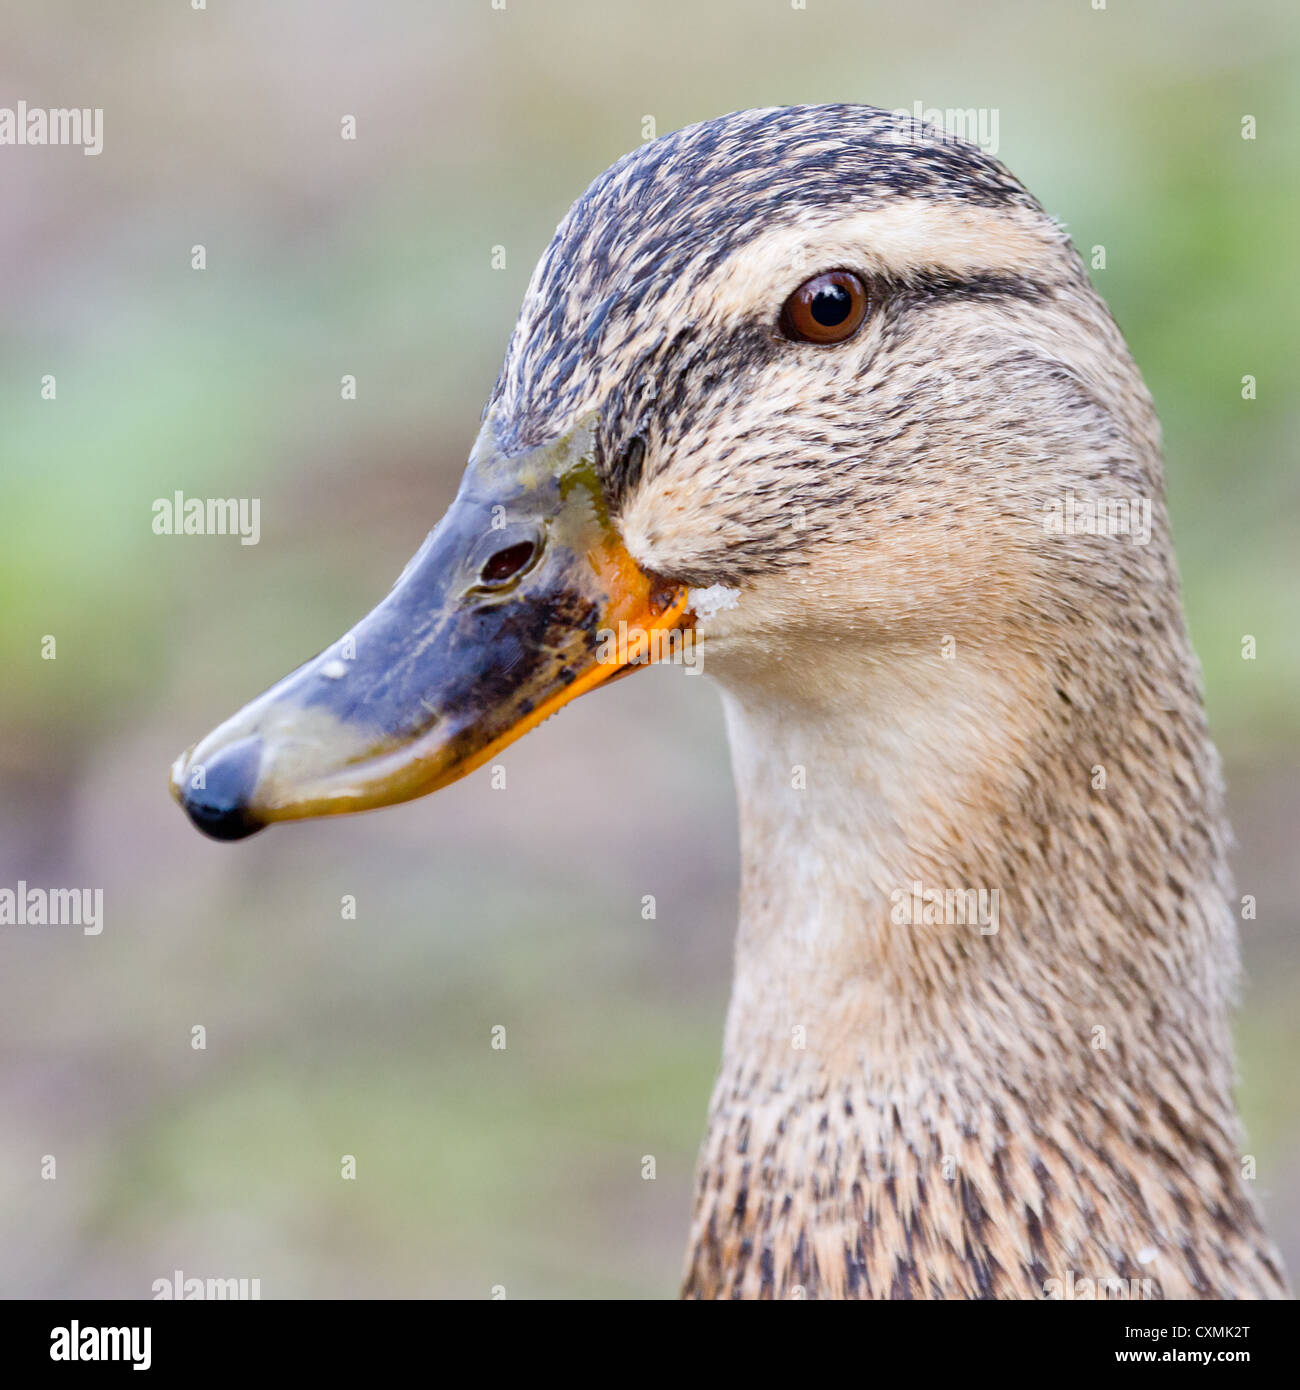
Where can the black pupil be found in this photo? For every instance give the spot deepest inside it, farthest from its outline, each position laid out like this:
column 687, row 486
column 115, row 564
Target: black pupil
column 830, row 306
column 507, row 562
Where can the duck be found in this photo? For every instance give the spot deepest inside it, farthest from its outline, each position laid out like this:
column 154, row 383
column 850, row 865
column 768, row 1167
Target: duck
column 823, row 395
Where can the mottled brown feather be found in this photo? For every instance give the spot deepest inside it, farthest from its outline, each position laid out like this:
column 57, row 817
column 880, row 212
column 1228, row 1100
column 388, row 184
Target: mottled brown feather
column 919, row 1111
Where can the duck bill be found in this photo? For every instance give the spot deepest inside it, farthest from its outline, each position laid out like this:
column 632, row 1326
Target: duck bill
column 521, row 599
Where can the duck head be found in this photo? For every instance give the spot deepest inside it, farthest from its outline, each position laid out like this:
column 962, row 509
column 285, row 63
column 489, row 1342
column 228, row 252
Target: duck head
column 823, row 361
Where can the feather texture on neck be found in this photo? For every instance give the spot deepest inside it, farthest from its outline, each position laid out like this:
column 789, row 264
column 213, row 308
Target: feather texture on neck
column 937, row 1109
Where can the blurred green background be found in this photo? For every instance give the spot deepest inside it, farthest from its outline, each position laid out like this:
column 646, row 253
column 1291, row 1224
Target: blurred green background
column 476, row 129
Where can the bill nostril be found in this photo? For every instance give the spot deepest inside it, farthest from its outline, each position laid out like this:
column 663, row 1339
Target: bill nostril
column 507, row 563
column 220, row 805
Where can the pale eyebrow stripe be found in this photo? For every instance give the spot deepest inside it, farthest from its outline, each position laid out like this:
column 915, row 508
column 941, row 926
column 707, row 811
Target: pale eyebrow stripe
column 911, row 240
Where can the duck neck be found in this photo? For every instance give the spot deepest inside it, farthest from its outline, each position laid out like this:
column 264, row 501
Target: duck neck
column 978, row 1040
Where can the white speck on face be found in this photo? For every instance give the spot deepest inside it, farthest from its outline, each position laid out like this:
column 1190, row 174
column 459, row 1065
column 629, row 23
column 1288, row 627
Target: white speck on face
column 1147, row 1254
column 334, row 670
column 717, row 598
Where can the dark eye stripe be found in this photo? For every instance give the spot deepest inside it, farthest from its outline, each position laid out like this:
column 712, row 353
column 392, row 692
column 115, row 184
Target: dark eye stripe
column 932, row 286
column 664, row 381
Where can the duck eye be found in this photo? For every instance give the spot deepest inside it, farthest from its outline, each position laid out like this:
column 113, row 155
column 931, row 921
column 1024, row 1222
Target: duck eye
column 829, row 308
column 507, row 563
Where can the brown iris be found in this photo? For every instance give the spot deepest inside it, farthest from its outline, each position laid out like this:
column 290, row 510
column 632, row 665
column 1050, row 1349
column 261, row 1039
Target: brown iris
column 827, row 309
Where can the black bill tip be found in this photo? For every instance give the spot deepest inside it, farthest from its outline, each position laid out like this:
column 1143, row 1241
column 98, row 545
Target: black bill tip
column 219, row 804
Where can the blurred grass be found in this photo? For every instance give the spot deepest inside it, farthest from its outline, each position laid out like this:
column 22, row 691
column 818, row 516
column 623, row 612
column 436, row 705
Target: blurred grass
column 328, row 1037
